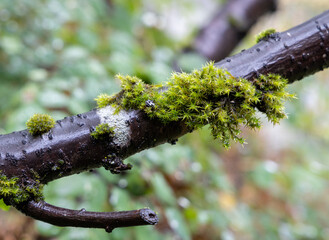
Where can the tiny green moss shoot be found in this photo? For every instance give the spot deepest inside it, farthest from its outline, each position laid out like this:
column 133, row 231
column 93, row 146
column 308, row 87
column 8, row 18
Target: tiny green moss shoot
column 265, row 34
column 40, row 123
column 103, row 131
column 103, row 100
column 14, row 194
column 208, row 96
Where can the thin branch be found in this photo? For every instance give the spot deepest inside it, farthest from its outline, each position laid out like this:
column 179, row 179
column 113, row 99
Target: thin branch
column 294, row 54
column 220, row 36
column 82, row 218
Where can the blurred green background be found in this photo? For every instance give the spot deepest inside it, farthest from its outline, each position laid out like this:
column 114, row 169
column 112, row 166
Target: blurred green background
column 57, row 56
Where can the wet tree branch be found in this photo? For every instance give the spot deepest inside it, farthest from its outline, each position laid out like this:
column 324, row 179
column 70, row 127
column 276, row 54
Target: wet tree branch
column 230, row 24
column 82, row 218
column 294, row 54
column 69, row 149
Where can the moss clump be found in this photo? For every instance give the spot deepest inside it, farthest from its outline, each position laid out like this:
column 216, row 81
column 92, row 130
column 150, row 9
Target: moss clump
column 40, row 123
column 103, row 100
column 13, row 193
column 208, row 96
column 265, row 34
column 103, row 131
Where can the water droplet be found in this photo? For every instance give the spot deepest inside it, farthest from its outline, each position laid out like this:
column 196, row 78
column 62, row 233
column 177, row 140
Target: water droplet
column 305, row 55
column 82, row 210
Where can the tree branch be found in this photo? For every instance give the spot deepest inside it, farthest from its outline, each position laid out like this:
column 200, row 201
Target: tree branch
column 82, row 218
column 294, row 54
column 68, row 148
column 230, row 24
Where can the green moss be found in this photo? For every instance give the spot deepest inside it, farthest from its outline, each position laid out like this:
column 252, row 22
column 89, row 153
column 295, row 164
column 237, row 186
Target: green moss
column 103, row 131
column 103, row 100
column 13, row 193
column 208, row 96
column 40, row 123
column 4, row 206
column 265, row 34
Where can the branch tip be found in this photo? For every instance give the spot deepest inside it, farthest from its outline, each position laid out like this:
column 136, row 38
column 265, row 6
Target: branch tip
column 149, row 216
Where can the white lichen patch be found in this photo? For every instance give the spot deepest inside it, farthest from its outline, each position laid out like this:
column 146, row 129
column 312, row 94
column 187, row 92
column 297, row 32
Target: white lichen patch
column 118, row 121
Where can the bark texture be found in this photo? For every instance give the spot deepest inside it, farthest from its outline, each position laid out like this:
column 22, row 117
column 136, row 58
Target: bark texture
column 294, row 54
column 82, row 218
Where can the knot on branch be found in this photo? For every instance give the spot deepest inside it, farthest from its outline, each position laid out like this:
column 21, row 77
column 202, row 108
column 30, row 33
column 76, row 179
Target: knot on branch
column 115, row 164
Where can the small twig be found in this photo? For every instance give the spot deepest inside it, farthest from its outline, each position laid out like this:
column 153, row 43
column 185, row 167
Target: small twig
column 82, row 218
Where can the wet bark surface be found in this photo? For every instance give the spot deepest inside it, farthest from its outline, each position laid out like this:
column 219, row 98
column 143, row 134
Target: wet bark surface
column 294, row 54
column 68, row 148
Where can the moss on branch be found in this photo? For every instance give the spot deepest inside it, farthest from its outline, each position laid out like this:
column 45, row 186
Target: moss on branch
column 40, row 123
column 103, row 131
column 207, row 96
column 265, row 34
column 14, row 193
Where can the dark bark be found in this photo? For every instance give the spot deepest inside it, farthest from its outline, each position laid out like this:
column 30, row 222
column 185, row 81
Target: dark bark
column 294, row 54
column 68, row 148
column 230, row 24
column 82, row 218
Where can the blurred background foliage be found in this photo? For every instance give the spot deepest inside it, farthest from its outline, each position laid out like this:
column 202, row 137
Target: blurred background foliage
column 57, row 56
